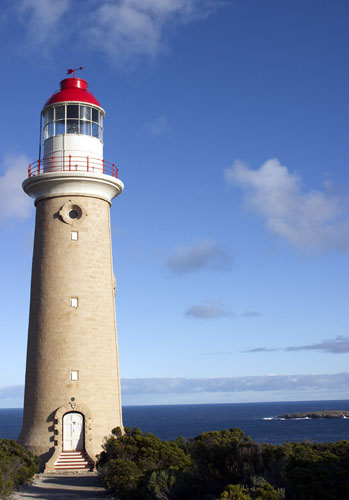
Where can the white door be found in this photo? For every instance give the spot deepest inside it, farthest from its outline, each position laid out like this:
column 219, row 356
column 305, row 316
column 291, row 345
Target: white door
column 73, row 427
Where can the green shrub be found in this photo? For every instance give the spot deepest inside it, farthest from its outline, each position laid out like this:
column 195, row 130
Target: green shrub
column 262, row 490
column 235, row 492
column 16, row 466
column 165, row 485
column 224, row 465
column 317, row 471
column 224, row 457
column 135, row 464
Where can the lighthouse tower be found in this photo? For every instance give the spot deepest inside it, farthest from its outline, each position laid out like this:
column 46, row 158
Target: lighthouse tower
column 72, row 388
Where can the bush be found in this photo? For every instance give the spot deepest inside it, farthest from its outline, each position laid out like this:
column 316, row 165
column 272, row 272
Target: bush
column 224, row 457
column 223, row 465
column 262, row 490
column 165, row 485
column 137, row 464
column 317, row 471
column 235, row 492
column 16, row 466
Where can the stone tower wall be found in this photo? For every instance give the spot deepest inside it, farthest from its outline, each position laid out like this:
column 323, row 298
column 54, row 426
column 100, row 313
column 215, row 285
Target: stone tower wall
column 63, row 338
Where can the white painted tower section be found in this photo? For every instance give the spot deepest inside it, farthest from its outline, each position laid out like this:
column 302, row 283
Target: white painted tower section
column 72, row 126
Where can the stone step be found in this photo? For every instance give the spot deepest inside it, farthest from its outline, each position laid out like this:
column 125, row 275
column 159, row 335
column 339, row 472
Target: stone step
column 73, row 460
column 64, row 461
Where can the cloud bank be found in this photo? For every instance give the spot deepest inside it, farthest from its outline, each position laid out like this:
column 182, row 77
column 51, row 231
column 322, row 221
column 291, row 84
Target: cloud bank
column 121, row 29
column 203, row 255
column 158, row 127
column 43, row 21
column 224, row 384
column 12, row 396
column 338, row 345
column 339, row 381
column 228, row 389
column 311, row 220
column 251, row 314
column 210, row 309
column 13, row 202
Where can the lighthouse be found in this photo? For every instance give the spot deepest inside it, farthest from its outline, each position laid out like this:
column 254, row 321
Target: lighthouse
column 72, row 387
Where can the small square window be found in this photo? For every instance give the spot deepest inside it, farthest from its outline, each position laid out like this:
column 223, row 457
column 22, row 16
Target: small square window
column 74, row 235
column 74, row 375
column 74, row 302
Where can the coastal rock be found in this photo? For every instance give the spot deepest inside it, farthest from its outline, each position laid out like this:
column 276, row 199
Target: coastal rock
column 315, row 414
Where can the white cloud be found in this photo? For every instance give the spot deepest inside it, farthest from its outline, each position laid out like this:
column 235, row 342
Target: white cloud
column 210, row 309
column 128, row 29
column 251, row 314
column 309, row 220
column 14, row 202
column 338, row 345
column 339, row 382
column 225, row 389
column 162, row 7
column 157, row 127
column 11, row 396
column 43, row 20
column 205, row 254
column 123, row 30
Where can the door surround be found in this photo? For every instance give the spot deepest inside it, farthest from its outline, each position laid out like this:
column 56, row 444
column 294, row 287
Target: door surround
column 58, row 433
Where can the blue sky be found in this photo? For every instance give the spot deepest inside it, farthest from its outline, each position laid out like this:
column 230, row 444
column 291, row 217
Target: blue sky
column 229, row 123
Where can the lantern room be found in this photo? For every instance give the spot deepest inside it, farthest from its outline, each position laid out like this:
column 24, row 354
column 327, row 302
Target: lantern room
column 71, row 146
column 73, row 119
column 72, row 122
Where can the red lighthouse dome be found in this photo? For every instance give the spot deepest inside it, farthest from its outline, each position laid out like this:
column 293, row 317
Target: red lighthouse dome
column 73, row 90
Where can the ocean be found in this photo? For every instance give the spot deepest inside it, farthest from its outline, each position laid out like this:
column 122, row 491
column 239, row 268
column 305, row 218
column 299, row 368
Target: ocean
column 170, row 421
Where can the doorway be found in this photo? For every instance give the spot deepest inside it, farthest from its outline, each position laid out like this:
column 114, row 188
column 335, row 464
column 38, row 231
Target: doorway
column 73, row 431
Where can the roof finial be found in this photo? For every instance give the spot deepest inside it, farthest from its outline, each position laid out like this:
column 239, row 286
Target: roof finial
column 72, row 71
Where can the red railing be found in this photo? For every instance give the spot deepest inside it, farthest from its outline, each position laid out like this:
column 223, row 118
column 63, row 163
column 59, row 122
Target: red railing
column 70, row 163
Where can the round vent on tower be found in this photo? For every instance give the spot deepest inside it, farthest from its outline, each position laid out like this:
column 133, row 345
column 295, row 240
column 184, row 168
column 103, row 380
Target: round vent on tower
column 72, row 213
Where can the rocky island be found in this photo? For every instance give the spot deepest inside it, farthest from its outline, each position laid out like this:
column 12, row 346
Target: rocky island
column 315, row 414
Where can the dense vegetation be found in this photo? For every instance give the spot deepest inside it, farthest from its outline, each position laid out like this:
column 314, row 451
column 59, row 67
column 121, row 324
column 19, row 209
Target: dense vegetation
column 16, row 465
column 222, row 465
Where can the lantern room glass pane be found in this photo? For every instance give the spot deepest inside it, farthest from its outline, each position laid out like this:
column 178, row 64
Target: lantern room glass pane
column 101, row 134
column 72, row 126
column 60, row 112
column 49, row 115
column 60, row 127
column 50, row 130
column 72, row 111
column 85, row 128
column 95, row 114
column 95, row 130
column 85, row 113
column 101, row 119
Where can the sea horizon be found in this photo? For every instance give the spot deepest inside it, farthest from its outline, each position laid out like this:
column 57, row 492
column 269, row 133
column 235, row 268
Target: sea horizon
column 213, row 403
column 256, row 419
